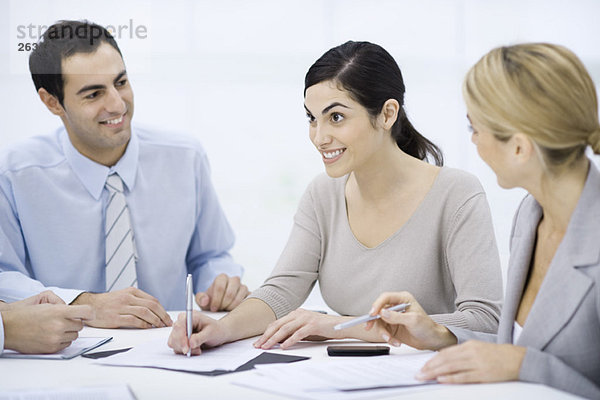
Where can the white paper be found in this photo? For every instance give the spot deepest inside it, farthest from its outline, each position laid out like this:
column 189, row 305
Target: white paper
column 333, row 379
column 158, row 354
column 252, row 380
column 115, row 392
column 79, row 346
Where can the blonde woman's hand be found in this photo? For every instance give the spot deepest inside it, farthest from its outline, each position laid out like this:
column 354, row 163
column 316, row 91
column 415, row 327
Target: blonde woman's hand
column 412, row 327
column 473, row 362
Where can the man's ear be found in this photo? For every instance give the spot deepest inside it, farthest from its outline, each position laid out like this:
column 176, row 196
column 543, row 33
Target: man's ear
column 389, row 113
column 51, row 102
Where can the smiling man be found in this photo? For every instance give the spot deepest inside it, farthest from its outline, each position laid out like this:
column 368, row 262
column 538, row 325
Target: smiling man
column 102, row 213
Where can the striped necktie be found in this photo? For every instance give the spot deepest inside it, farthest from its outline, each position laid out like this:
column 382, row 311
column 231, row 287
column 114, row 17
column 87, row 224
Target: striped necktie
column 120, row 246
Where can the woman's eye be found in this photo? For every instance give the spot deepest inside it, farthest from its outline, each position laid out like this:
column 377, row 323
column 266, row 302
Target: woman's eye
column 470, row 128
column 337, row 117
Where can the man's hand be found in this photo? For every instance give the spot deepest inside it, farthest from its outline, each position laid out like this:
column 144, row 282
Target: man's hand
column 43, row 328
column 44, row 297
column 127, row 308
column 225, row 293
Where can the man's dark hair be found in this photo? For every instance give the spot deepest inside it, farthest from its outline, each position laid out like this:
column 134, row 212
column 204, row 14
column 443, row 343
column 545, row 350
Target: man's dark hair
column 60, row 41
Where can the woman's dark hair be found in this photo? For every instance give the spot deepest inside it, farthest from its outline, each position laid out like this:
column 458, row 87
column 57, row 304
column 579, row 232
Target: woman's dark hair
column 60, row 41
column 371, row 76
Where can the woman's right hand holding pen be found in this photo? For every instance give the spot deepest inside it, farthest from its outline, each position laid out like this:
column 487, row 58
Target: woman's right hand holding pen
column 206, row 332
column 412, row 327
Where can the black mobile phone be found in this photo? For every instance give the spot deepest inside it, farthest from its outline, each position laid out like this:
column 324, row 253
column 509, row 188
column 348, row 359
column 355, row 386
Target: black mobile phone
column 357, row 351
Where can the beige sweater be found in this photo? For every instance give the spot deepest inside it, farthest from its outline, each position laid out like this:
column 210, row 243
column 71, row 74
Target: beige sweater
column 445, row 255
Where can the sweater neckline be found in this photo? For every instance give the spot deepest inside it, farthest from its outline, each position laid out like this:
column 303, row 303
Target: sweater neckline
column 413, row 216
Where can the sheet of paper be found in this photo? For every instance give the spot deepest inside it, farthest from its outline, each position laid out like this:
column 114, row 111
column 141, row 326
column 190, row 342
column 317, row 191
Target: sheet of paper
column 79, row 346
column 254, row 381
column 158, row 354
column 355, row 373
column 346, row 378
column 116, row 392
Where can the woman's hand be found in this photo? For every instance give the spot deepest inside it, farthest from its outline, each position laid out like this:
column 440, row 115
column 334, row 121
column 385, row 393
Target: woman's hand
column 413, row 326
column 475, row 361
column 206, row 332
column 297, row 325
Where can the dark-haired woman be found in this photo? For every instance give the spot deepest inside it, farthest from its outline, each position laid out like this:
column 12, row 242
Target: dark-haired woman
column 382, row 219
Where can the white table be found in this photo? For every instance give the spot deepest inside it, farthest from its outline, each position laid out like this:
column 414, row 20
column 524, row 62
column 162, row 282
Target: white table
column 150, row 383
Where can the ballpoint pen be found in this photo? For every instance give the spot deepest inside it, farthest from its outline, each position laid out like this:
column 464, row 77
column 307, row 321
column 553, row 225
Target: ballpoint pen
column 189, row 297
column 367, row 317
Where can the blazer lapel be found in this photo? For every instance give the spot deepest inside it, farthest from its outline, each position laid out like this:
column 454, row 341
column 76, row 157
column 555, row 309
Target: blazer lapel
column 565, row 286
column 522, row 243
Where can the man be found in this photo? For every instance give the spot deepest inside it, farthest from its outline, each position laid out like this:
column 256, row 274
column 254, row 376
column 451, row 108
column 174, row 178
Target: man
column 98, row 207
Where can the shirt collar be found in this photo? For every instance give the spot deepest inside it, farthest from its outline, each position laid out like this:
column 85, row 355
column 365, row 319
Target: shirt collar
column 93, row 175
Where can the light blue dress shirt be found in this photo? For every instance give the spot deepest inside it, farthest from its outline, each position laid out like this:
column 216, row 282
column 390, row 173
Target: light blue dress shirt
column 52, row 204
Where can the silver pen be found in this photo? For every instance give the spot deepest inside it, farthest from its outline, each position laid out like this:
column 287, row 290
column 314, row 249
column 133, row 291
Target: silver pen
column 367, row 317
column 189, row 297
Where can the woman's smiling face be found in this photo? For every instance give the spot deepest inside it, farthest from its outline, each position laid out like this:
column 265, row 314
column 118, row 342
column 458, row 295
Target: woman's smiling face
column 341, row 129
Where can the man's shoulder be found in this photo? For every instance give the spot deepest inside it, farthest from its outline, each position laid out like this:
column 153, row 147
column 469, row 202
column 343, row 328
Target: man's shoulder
column 162, row 140
column 36, row 151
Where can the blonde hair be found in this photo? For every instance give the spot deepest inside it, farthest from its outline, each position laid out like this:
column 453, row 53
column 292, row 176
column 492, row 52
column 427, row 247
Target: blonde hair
column 539, row 89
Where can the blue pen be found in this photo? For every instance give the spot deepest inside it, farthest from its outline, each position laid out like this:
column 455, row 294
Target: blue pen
column 189, row 295
column 367, row 317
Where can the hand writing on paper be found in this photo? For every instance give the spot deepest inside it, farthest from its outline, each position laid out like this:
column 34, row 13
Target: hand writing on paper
column 298, row 325
column 43, row 328
column 475, row 361
column 225, row 293
column 413, row 327
column 126, row 308
column 206, row 332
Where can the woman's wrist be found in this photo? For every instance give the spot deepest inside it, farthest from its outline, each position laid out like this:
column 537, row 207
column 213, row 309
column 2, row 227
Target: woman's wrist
column 227, row 329
column 341, row 333
column 444, row 338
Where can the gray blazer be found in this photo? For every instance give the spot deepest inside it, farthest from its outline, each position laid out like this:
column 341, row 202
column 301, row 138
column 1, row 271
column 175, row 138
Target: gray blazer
column 562, row 330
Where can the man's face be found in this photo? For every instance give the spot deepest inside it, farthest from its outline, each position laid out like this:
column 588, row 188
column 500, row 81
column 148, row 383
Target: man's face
column 98, row 104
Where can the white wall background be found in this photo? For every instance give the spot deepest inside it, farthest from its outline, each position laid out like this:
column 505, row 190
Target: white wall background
column 231, row 72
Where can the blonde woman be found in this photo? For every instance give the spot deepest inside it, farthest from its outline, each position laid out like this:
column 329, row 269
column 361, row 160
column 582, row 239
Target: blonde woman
column 533, row 110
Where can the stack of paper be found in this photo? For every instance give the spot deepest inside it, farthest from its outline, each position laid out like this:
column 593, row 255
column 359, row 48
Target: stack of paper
column 349, row 378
